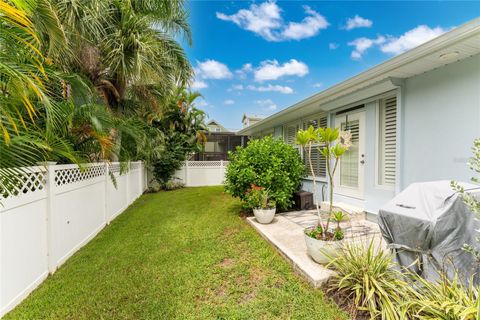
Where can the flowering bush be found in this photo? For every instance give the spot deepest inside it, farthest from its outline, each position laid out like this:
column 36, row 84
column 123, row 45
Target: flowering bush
column 259, row 198
column 269, row 163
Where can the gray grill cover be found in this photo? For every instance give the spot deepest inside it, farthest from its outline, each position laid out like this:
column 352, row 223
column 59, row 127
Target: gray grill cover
column 430, row 222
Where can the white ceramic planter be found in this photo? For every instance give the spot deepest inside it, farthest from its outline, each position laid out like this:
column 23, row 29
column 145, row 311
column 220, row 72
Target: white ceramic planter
column 264, row 215
column 321, row 251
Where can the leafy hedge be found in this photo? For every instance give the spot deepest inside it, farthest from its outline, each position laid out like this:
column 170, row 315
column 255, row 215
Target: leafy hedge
column 268, row 163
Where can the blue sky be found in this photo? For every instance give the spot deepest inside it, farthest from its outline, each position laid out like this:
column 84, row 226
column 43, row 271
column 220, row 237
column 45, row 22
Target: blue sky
column 262, row 56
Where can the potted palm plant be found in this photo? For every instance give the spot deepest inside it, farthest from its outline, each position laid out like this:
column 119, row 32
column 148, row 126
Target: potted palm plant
column 322, row 241
column 263, row 206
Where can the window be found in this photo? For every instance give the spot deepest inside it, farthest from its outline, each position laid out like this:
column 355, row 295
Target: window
column 387, row 141
column 349, row 160
column 290, row 133
column 319, row 163
column 217, row 129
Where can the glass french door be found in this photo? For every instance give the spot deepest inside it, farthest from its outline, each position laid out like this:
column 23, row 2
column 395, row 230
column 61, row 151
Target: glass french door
column 349, row 177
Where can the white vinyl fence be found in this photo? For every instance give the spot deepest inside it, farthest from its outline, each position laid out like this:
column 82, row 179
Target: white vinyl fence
column 202, row 173
column 56, row 210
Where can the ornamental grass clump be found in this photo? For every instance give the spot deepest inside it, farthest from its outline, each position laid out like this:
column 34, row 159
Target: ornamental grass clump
column 366, row 275
column 446, row 299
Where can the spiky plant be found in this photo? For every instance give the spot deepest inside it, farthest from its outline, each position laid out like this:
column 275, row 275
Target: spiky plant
column 445, row 299
column 367, row 274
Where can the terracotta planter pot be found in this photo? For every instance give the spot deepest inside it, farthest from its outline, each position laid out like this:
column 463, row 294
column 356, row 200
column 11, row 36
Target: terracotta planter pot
column 264, row 215
column 320, row 251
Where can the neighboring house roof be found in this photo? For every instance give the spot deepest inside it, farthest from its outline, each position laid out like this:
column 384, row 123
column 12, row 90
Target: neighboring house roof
column 216, row 123
column 455, row 45
column 252, row 116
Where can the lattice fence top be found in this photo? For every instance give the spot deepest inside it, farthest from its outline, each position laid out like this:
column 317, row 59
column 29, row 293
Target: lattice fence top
column 207, row 163
column 23, row 181
column 72, row 175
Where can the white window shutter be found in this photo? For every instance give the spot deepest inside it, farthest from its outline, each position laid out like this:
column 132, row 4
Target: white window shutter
column 318, row 162
column 291, row 133
column 388, row 141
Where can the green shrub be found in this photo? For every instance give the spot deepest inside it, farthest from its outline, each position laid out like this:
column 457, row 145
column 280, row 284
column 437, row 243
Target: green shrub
column 173, row 185
column 367, row 275
column 269, row 163
column 445, row 299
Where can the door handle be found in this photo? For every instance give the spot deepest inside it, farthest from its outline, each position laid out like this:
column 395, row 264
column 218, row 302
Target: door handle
column 362, row 161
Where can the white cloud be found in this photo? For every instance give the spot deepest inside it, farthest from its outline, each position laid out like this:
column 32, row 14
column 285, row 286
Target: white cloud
column 228, row 102
column 246, row 69
column 211, row 69
column 396, row 45
column 266, row 21
column 267, row 104
column 411, row 39
column 270, row 87
column 357, row 22
column 198, row 84
column 272, row 70
column 363, row 44
column 309, row 26
column 260, row 19
column 317, row 85
column 333, row 45
column 237, row 87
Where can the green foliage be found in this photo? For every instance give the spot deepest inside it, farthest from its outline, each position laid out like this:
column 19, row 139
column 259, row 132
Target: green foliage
column 269, row 163
column 332, row 144
column 367, row 274
column 82, row 80
column 315, row 232
column 470, row 200
column 445, row 299
column 338, row 217
column 173, row 185
column 182, row 126
column 259, row 198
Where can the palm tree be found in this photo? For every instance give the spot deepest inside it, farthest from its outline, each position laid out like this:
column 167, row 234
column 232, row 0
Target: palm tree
column 29, row 114
column 127, row 49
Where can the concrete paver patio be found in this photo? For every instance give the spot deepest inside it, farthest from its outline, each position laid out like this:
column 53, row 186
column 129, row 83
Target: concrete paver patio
column 286, row 234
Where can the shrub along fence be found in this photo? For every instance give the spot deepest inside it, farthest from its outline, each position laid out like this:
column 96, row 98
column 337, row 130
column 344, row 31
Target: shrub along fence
column 202, row 173
column 53, row 212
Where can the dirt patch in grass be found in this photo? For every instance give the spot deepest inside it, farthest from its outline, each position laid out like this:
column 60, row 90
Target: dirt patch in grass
column 229, row 233
column 226, row 263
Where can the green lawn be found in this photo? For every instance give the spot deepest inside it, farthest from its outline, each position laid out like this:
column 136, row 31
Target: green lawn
column 183, row 254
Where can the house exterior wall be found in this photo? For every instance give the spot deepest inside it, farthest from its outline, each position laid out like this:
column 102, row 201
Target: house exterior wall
column 438, row 117
column 215, row 128
column 441, row 119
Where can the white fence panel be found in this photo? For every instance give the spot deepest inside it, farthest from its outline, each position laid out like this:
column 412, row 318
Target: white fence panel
column 23, row 237
column 202, row 173
column 55, row 210
column 117, row 197
column 78, row 208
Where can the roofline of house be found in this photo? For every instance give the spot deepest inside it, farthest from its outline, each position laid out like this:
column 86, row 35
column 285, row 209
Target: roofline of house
column 445, row 40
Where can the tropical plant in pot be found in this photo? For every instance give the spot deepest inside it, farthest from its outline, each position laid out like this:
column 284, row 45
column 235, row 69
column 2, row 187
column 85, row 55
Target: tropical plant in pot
column 322, row 241
column 263, row 206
